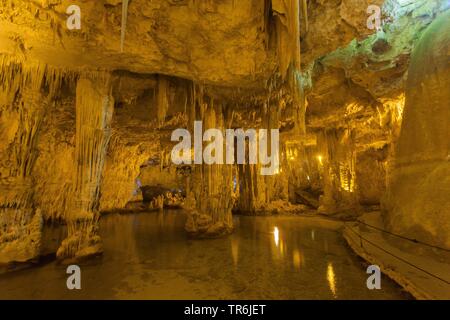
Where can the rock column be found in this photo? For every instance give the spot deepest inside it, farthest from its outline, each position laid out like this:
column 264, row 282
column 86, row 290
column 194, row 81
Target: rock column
column 94, row 108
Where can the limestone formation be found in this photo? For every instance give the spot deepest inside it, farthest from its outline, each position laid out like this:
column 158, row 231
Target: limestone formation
column 417, row 200
column 87, row 115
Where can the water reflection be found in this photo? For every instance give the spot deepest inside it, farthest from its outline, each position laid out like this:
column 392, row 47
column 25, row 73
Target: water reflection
column 331, row 279
column 276, row 235
column 148, row 256
column 235, row 250
column 296, row 259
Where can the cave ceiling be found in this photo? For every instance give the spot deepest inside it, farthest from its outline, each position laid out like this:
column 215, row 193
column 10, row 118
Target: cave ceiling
column 213, row 42
column 226, row 44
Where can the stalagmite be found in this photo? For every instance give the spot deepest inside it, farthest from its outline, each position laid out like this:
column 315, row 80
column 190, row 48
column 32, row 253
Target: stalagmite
column 94, row 108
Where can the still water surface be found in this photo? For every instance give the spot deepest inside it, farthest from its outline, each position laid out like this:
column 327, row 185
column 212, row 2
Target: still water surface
column 148, row 256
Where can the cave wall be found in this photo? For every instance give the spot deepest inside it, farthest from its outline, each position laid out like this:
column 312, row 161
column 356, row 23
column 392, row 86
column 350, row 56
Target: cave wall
column 417, row 203
column 27, row 96
column 360, row 88
column 54, row 165
column 370, row 175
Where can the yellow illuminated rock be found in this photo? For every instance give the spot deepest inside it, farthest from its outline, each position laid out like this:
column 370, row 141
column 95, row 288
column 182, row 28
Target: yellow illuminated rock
column 91, row 92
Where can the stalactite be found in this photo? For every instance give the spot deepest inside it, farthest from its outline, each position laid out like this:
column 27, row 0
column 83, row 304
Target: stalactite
column 162, row 97
column 17, row 74
column 26, row 87
column 35, row 100
column 288, row 34
column 94, row 108
column 256, row 190
column 123, row 28
column 210, row 197
column 31, row 115
column 287, row 26
column 94, row 114
column 305, row 14
column 338, row 149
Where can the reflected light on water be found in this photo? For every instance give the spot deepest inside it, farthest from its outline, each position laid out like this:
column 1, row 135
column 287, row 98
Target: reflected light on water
column 276, row 235
column 235, row 251
column 331, row 279
column 137, row 245
column 296, row 259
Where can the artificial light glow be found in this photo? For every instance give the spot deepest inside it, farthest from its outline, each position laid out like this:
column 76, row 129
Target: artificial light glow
column 331, row 279
column 276, row 235
column 296, row 259
column 320, row 159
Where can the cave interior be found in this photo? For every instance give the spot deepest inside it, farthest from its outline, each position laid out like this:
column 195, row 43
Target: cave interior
column 88, row 108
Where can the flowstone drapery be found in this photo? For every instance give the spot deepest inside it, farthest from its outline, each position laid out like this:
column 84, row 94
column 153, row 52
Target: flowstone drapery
column 26, row 91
